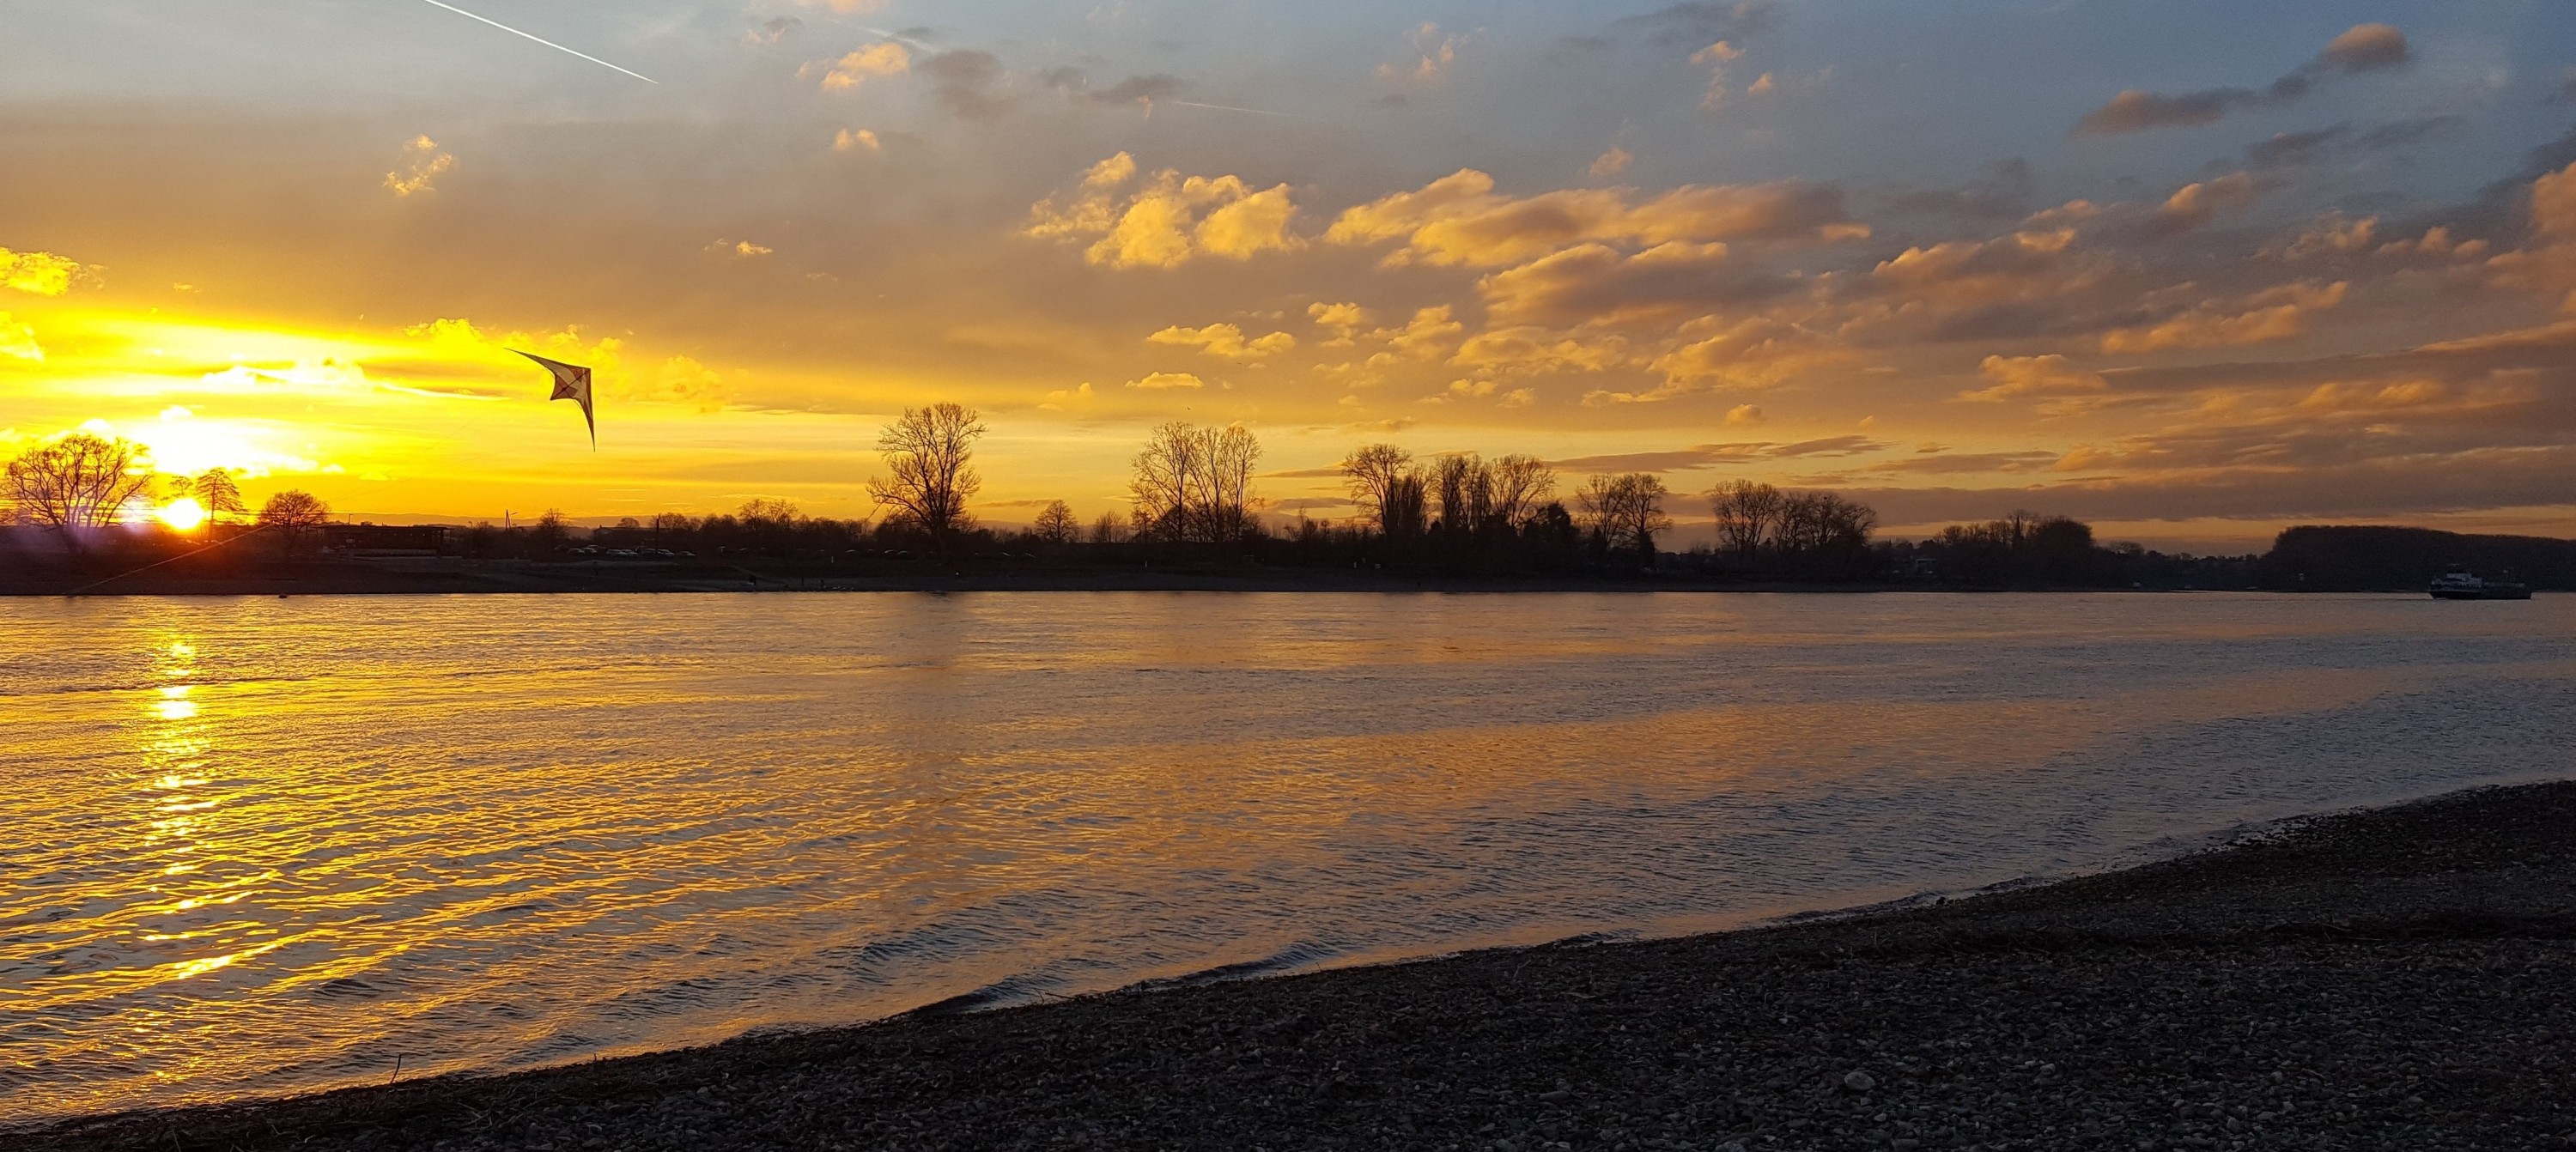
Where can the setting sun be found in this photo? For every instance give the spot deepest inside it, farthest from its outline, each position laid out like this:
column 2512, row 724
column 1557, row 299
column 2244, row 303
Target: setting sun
column 184, row 514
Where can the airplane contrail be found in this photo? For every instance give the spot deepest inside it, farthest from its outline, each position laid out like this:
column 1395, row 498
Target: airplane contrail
column 542, row 40
column 1232, row 108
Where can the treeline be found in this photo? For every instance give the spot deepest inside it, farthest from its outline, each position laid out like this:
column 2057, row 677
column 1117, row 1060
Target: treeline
column 1192, row 500
column 2376, row 559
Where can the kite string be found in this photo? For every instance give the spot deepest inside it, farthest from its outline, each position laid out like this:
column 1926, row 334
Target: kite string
column 255, row 530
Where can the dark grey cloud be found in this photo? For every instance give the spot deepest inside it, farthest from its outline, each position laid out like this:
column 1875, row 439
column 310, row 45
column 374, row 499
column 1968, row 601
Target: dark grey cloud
column 2364, row 48
column 1596, row 283
column 1076, row 86
column 2470, row 481
column 970, row 83
column 2003, row 193
column 2546, row 353
column 2401, row 133
column 1697, row 25
column 1716, row 455
column 2293, row 149
column 1962, row 462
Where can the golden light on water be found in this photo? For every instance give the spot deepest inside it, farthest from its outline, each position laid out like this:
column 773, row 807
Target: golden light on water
column 184, row 514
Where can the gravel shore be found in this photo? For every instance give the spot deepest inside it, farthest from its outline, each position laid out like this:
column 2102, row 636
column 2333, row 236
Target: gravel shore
column 2395, row 979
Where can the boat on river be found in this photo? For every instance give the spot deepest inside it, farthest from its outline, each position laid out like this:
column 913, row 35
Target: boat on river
column 2461, row 585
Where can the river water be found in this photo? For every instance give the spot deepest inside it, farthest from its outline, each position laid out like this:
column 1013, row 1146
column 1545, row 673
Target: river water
column 258, row 846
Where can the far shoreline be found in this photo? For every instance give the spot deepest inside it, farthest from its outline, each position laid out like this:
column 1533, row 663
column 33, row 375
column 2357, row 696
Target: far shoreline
column 439, row 576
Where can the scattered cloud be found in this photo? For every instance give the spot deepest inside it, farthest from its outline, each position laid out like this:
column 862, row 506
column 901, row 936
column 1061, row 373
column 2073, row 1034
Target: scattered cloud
column 2280, row 313
column 881, row 59
column 1531, row 349
column 18, row 341
column 1057, row 400
column 1721, row 455
column 740, row 249
column 1140, row 91
column 38, row 273
column 1428, row 336
column 2196, row 204
column 2362, row 48
column 1695, row 24
column 1226, row 341
column 1715, row 57
column 1611, row 163
column 422, row 163
column 862, row 140
column 772, row 31
column 1596, row 284
column 1158, row 381
column 1342, row 320
column 2548, row 263
column 1434, row 54
column 2022, row 377
column 1460, row 220
column 1167, row 221
column 970, row 83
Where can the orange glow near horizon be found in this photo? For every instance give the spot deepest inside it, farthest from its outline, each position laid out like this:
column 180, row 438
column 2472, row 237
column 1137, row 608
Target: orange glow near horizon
column 2185, row 331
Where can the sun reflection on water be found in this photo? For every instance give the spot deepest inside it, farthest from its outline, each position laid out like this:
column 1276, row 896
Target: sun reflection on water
column 260, row 846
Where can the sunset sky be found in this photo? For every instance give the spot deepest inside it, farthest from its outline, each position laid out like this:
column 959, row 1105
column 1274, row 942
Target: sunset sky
column 2193, row 270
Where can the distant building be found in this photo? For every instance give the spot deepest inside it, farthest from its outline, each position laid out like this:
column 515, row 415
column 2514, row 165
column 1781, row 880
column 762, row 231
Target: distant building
column 385, row 539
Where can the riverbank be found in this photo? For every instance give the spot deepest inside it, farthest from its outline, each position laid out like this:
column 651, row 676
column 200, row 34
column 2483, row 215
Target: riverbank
column 2404, row 977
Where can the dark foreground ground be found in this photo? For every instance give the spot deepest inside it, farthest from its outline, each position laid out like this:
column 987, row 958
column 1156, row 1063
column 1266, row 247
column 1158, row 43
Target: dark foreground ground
column 2398, row 979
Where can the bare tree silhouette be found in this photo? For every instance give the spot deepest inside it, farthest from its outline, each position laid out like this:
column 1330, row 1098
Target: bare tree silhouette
column 292, row 518
column 1625, row 512
column 1521, row 486
column 1195, row 484
column 1386, row 487
column 77, row 483
column 1056, row 524
column 215, row 491
column 930, row 453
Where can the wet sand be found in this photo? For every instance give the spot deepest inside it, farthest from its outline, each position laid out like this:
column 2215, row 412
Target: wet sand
column 2397, row 978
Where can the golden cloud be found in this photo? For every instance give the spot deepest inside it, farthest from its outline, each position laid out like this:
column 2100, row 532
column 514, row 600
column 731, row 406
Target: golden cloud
column 1428, row 336
column 2273, row 314
column 883, row 58
column 1160, row 381
column 1596, row 285
column 1342, row 320
column 38, row 273
column 1458, row 219
column 1226, row 340
column 2548, row 263
column 18, row 341
column 1170, row 220
column 422, row 163
column 1529, row 349
column 2195, row 204
column 2016, row 377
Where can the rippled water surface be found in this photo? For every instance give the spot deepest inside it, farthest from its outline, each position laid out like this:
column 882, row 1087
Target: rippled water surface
column 259, row 846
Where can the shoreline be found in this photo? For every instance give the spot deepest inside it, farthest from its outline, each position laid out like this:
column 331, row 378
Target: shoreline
column 416, row 577
column 2405, row 973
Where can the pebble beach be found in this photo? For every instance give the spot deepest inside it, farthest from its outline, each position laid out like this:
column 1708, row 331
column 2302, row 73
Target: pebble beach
column 2393, row 978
